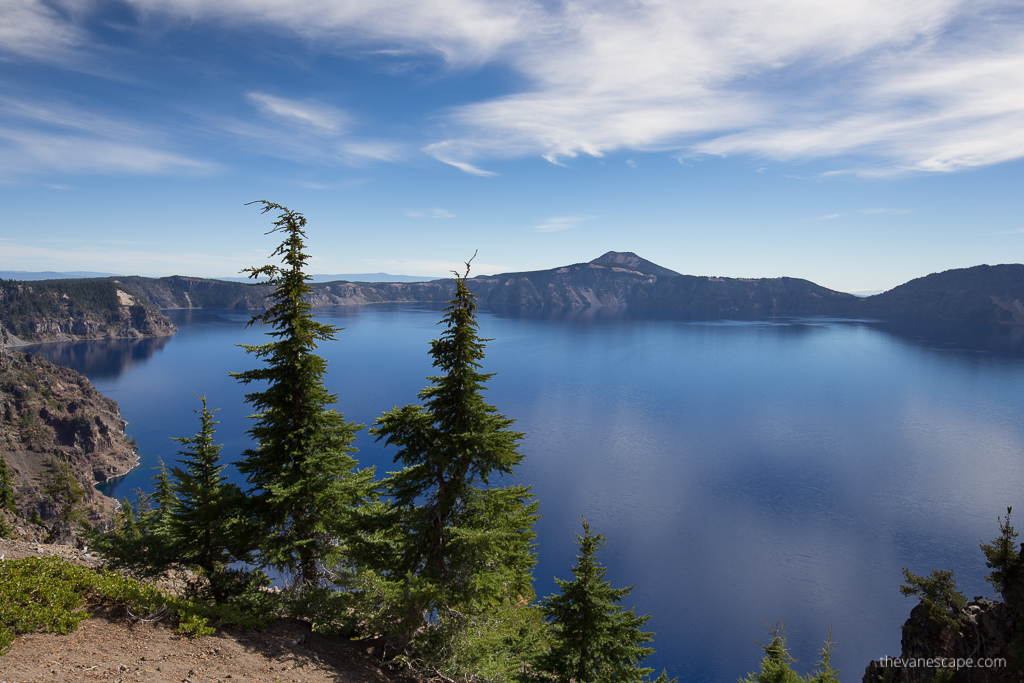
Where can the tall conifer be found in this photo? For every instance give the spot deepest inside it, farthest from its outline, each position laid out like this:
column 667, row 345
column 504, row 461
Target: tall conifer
column 595, row 640
column 462, row 543
column 304, row 478
column 205, row 510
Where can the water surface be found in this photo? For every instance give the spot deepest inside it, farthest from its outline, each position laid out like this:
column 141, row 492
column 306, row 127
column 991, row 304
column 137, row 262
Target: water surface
column 744, row 471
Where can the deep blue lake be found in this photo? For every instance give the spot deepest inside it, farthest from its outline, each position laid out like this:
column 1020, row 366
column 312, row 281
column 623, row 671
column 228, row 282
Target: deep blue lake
column 744, row 471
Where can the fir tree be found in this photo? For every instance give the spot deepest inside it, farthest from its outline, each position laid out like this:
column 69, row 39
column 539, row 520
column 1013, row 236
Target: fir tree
column 7, row 501
column 775, row 667
column 1002, row 555
column 594, row 639
column 205, row 510
column 63, row 490
column 304, row 478
column 466, row 542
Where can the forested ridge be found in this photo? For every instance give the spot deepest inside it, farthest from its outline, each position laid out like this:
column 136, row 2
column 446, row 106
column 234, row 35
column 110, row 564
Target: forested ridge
column 56, row 310
column 63, row 309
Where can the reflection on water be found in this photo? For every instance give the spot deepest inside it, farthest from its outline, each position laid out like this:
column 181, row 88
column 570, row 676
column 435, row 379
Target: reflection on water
column 97, row 358
column 745, row 469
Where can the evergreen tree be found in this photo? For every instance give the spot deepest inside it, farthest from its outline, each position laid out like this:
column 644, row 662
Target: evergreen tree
column 459, row 542
column 594, row 639
column 7, row 501
column 157, row 516
column 304, row 478
column 1002, row 555
column 64, row 491
column 775, row 667
column 141, row 539
column 205, row 510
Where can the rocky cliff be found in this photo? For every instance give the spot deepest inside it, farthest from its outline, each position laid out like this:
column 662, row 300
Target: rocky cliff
column 50, row 414
column 60, row 310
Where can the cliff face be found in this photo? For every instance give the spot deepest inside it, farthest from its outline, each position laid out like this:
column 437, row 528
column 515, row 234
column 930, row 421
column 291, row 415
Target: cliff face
column 49, row 413
column 61, row 310
column 988, row 633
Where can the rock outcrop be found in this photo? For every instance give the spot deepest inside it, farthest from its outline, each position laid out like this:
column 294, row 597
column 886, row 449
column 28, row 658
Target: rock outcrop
column 51, row 415
column 62, row 310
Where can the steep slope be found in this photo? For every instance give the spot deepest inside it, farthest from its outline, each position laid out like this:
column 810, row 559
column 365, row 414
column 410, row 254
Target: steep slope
column 59, row 310
column 49, row 413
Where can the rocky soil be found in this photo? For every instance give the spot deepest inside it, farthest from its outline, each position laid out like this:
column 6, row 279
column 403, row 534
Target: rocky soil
column 50, row 414
column 113, row 647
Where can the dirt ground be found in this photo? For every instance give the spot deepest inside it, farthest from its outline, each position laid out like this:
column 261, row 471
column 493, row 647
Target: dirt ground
column 110, row 647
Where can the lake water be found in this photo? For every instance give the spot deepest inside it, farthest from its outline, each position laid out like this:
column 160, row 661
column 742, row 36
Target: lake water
column 744, row 471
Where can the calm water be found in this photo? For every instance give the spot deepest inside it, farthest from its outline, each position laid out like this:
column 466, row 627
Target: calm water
column 743, row 471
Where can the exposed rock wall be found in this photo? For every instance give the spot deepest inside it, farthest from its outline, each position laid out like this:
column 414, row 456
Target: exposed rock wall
column 49, row 413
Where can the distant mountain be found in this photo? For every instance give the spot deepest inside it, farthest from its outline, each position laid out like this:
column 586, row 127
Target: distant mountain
column 990, row 294
column 25, row 275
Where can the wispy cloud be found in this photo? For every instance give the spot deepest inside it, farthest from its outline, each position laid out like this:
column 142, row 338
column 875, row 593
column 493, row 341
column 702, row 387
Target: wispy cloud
column 863, row 212
column 34, row 30
column 306, row 112
column 889, row 86
column 559, row 223
column 160, row 260
column 429, row 213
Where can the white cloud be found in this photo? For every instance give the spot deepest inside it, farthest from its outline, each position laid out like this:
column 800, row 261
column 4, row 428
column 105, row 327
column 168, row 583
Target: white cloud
column 902, row 85
column 429, row 213
column 39, row 137
column 309, row 113
column 32, row 30
column 559, row 223
column 863, row 212
column 107, row 256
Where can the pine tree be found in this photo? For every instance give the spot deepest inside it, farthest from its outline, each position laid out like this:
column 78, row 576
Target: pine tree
column 7, row 501
column 594, row 639
column 205, row 510
column 141, row 540
column 1002, row 555
column 304, row 478
column 64, row 491
column 459, row 543
column 776, row 665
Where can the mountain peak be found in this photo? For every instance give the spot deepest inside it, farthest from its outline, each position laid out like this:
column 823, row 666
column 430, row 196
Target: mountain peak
column 628, row 259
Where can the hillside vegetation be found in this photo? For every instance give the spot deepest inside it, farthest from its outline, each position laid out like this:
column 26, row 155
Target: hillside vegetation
column 58, row 310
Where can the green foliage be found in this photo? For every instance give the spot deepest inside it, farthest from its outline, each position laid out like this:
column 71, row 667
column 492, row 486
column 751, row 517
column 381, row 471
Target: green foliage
column 304, row 478
column 449, row 547
column 939, row 595
column 776, row 664
column 140, row 541
column 1002, row 554
column 594, row 639
column 36, row 519
column 204, row 514
column 63, row 490
column 24, row 304
column 49, row 594
column 7, row 501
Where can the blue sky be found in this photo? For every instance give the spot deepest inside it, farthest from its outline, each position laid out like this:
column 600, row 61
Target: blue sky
column 857, row 144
